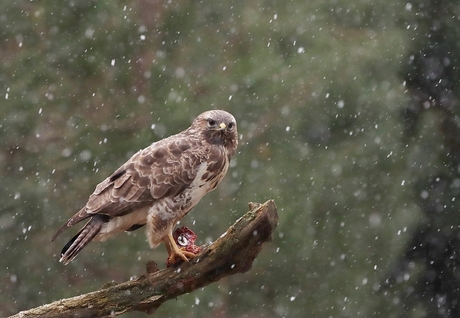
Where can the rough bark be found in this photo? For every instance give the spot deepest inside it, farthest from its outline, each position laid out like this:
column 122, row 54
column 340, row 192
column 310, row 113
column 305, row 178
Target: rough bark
column 234, row 252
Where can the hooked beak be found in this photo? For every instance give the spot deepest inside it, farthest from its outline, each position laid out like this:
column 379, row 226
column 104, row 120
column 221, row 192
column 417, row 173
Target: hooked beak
column 222, row 126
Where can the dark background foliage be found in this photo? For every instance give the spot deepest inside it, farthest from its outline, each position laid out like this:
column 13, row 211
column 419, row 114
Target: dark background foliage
column 348, row 118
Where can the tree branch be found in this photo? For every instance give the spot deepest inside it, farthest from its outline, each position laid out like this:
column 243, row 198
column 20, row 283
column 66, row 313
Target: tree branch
column 234, row 252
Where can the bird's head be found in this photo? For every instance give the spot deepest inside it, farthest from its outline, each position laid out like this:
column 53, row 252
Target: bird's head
column 218, row 127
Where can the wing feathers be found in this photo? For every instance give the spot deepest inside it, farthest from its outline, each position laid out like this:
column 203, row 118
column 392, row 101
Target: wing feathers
column 135, row 194
column 77, row 217
column 120, row 190
column 119, row 182
column 164, row 169
column 118, row 173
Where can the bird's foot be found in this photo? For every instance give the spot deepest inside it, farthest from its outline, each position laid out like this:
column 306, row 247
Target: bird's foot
column 181, row 246
column 179, row 256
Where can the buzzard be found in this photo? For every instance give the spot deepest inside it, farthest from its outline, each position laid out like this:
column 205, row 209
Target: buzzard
column 158, row 186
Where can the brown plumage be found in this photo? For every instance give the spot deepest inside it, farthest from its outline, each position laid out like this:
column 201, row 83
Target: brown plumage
column 158, row 186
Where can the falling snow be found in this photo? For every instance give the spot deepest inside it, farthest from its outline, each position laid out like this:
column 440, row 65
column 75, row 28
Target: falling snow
column 346, row 118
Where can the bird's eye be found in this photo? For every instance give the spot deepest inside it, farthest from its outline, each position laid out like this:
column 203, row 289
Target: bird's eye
column 182, row 240
column 211, row 122
column 231, row 125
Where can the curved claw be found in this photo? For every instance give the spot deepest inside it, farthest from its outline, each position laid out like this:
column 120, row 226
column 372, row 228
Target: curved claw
column 176, row 254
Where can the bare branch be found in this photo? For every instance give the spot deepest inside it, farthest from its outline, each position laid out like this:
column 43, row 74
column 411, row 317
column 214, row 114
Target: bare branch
column 234, row 252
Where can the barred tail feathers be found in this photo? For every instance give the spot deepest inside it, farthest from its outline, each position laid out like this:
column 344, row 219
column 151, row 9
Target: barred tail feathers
column 81, row 239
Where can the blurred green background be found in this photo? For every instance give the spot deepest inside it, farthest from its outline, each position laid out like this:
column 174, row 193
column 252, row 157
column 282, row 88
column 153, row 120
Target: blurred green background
column 347, row 114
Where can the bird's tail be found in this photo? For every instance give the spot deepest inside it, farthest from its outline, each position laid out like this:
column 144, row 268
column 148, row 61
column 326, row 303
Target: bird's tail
column 81, row 239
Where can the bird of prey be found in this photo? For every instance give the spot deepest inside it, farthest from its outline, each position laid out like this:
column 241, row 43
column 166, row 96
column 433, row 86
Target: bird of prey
column 158, row 186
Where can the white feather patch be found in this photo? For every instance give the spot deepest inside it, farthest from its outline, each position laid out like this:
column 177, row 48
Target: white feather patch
column 122, row 223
